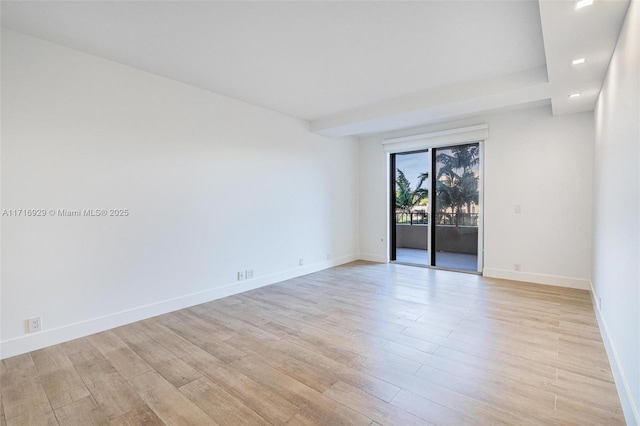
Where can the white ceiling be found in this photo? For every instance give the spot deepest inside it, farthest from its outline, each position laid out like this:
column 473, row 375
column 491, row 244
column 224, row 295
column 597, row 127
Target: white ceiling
column 589, row 33
column 348, row 67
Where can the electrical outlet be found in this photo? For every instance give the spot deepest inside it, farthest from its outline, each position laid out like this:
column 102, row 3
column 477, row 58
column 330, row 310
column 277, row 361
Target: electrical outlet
column 300, row 262
column 599, row 303
column 248, row 274
column 34, row 324
column 240, row 275
column 517, row 208
column 328, row 256
column 517, row 267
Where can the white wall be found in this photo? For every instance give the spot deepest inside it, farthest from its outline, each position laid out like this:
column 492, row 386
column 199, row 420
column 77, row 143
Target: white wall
column 213, row 186
column 533, row 159
column 616, row 273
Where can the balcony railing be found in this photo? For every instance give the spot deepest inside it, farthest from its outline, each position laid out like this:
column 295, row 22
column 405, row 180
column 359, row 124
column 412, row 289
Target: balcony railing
column 413, row 218
column 422, row 218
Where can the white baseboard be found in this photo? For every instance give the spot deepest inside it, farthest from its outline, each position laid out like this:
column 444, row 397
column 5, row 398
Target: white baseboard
column 31, row 342
column 530, row 277
column 373, row 258
column 629, row 408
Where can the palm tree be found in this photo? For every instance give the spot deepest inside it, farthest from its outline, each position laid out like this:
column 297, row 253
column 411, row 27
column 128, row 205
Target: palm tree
column 457, row 182
column 406, row 197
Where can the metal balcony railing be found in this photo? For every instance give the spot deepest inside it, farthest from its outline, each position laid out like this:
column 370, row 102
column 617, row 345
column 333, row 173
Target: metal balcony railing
column 422, row 218
column 413, row 218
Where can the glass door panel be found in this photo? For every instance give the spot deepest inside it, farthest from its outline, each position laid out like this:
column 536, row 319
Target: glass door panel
column 410, row 211
column 455, row 227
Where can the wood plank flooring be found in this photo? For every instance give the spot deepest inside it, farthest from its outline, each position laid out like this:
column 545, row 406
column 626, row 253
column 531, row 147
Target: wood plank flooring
column 360, row 344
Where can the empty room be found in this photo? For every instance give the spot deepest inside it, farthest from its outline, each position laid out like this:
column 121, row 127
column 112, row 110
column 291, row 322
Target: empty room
column 320, row 212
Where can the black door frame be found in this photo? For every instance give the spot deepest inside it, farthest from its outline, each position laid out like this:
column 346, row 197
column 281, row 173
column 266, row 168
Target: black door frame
column 392, row 201
column 432, row 210
column 392, row 207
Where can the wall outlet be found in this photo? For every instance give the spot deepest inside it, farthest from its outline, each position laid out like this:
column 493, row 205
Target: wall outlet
column 34, row 324
column 248, row 274
column 240, row 275
column 517, row 267
column 328, row 256
column 599, row 303
column 300, row 262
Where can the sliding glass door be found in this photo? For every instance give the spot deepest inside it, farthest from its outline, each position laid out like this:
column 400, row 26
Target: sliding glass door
column 435, row 207
column 456, row 207
column 410, row 207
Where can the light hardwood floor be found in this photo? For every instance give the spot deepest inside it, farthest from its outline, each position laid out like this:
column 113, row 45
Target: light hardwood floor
column 362, row 344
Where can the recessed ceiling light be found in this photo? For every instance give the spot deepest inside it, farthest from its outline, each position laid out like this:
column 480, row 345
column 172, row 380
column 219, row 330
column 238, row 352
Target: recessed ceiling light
column 583, row 3
column 575, row 95
column 578, row 61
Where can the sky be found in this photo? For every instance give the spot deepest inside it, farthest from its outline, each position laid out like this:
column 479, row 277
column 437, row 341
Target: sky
column 413, row 165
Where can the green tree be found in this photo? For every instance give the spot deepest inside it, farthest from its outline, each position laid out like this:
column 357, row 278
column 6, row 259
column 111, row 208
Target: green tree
column 457, row 181
column 406, row 197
